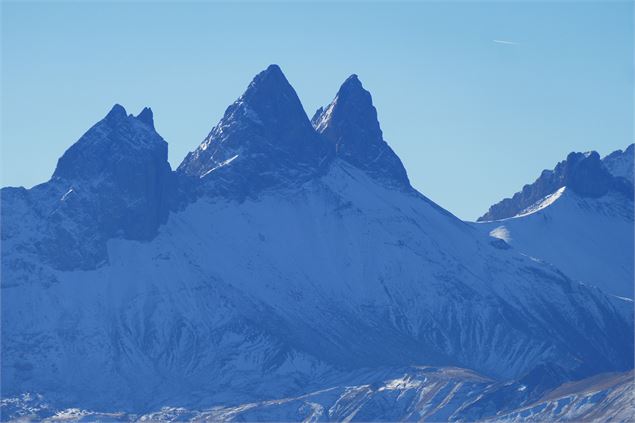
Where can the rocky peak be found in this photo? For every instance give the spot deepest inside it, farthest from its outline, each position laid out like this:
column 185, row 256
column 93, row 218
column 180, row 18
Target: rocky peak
column 117, row 141
column 584, row 174
column 116, row 178
column 146, row 116
column 350, row 124
column 264, row 138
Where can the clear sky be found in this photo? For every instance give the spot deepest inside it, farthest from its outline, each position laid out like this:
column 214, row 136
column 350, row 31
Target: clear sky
column 476, row 98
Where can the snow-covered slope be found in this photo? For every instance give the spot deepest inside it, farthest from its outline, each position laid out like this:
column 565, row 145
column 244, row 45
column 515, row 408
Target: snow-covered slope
column 256, row 291
column 402, row 394
column 589, row 237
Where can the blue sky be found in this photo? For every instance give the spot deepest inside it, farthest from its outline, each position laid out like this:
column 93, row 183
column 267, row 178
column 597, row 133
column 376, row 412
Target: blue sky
column 472, row 118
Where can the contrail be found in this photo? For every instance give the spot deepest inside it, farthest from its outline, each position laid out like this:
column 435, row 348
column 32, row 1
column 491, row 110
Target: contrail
column 513, row 43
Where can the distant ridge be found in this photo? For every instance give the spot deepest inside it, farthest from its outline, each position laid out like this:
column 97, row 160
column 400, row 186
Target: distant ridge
column 584, row 173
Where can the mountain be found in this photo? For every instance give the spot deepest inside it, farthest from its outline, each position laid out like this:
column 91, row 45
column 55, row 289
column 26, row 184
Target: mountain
column 114, row 182
column 584, row 173
column 350, row 124
column 266, row 137
column 578, row 217
column 277, row 261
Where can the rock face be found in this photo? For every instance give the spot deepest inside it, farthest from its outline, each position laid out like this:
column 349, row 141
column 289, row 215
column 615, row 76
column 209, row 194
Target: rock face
column 125, row 162
column 264, row 140
column 350, row 124
column 296, row 264
column 115, row 181
column 583, row 173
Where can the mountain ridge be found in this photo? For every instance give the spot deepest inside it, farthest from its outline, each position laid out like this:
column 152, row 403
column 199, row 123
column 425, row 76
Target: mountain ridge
column 584, row 173
column 271, row 277
column 589, row 237
column 439, row 394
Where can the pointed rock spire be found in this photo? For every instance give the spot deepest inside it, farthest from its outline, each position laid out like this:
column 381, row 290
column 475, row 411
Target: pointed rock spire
column 350, row 123
column 146, row 116
column 265, row 136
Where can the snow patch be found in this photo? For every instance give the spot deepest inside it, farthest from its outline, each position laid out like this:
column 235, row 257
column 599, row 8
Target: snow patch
column 65, row 196
column 542, row 204
column 224, row 163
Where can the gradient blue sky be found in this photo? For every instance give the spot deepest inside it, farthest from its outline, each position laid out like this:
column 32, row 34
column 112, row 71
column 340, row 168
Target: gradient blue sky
column 472, row 119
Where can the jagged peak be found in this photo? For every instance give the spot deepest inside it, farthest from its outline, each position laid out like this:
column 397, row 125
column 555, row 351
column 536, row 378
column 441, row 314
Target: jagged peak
column 118, row 115
column 146, row 116
column 117, row 137
column 576, row 157
column 353, row 108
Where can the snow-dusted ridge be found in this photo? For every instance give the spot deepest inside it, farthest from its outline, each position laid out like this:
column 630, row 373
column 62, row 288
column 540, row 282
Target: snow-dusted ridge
column 589, row 237
column 424, row 393
column 586, row 174
column 301, row 261
column 542, row 204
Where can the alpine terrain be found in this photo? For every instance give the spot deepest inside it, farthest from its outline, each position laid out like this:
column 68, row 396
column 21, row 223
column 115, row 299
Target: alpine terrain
column 578, row 217
column 287, row 270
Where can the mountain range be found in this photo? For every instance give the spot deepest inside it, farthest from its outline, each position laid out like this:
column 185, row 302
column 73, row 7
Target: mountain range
column 288, row 267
